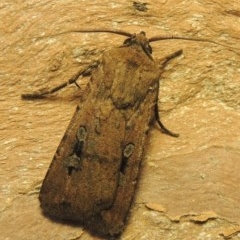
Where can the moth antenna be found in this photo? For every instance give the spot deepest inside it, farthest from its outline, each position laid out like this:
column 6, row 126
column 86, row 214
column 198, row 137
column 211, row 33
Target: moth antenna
column 160, row 38
column 119, row 32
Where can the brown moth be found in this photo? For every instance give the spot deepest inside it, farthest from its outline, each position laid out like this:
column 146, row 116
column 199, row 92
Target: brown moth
column 94, row 172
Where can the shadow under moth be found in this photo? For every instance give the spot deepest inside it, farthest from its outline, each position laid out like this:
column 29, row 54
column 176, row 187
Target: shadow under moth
column 93, row 175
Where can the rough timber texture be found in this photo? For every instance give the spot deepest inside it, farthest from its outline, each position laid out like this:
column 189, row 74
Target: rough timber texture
column 189, row 187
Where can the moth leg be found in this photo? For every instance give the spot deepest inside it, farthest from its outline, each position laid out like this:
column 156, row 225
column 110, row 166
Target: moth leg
column 85, row 72
column 162, row 127
column 164, row 61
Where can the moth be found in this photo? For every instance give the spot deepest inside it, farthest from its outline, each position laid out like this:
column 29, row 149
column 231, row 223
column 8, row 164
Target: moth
column 94, row 172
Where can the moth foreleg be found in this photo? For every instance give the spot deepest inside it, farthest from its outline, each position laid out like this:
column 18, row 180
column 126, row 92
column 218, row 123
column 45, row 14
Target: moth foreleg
column 40, row 94
column 164, row 61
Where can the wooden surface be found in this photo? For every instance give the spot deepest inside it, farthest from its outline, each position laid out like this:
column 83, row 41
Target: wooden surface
column 189, row 187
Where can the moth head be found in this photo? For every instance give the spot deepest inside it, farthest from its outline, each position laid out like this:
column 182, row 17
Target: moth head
column 141, row 40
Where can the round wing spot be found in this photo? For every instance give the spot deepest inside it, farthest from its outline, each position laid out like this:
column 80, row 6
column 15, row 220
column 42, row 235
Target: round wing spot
column 128, row 150
column 81, row 134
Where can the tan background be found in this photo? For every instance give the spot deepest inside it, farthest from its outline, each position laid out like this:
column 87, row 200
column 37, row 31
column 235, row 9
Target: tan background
column 189, row 187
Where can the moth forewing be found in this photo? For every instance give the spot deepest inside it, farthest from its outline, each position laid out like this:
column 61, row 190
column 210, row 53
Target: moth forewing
column 93, row 175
